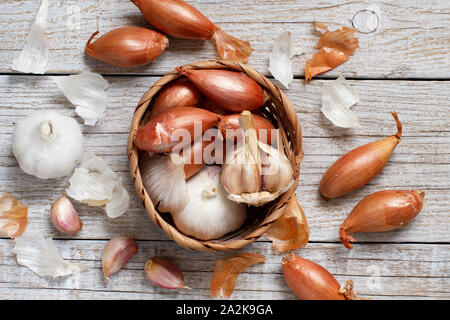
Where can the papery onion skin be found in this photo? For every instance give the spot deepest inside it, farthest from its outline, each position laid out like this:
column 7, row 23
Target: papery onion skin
column 359, row 166
column 179, row 94
column 127, row 47
column 116, row 254
column 157, row 135
column 231, row 90
column 13, row 216
column 310, row 281
column 231, row 122
column 382, row 211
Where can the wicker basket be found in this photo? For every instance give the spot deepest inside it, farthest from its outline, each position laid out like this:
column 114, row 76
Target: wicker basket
column 279, row 109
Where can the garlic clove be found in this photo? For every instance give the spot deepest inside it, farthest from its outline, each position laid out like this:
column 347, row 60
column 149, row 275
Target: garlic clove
column 64, row 216
column 164, row 274
column 116, row 254
column 14, row 216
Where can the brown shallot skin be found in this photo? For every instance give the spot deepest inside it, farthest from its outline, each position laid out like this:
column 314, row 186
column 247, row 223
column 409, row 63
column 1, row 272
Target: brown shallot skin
column 181, row 20
column 159, row 135
column 359, row 166
column 310, row 281
column 382, row 211
column 179, row 94
column 231, row 122
column 231, row 90
column 127, row 47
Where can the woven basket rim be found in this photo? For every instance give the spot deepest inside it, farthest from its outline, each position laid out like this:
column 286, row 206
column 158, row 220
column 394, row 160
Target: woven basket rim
column 294, row 140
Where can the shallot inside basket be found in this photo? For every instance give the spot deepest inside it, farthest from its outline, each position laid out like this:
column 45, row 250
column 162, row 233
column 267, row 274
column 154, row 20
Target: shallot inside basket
column 278, row 109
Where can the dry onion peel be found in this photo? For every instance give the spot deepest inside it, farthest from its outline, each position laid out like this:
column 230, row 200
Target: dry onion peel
column 181, row 20
column 13, row 216
column 87, row 91
column 280, row 59
column 95, row 184
column 337, row 98
column 310, row 281
column 34, row 56
column 335, row 48
column 40, row 255
column 208, row 213
column 382, row 211
column 227, row 271
column 291, row 230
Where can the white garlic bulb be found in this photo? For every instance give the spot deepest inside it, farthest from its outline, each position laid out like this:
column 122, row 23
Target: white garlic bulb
column 47, row 145
column 255, row 173
column 209, row 214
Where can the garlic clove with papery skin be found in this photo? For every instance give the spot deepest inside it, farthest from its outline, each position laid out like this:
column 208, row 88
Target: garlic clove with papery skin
column 116, row 254
column 164, row 274
column 47, row 145
column 64, row 216
column 255, row 173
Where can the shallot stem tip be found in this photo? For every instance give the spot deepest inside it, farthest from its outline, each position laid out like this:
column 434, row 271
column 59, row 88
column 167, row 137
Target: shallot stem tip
column 345, row 239
column 398, row 135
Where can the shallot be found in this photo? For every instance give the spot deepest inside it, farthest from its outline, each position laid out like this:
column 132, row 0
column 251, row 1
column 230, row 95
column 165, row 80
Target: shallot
column 382, row 211
column 360, row 166
column 127, row 47
column 181, row 20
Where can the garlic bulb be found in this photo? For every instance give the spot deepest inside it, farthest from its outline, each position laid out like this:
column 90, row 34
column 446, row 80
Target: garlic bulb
column 255, row 173
column 164, row 180
column 40, row 255
column 34, row 56
column 47, row 145
column 209, row 214
column 87, row 92
column 95, row 184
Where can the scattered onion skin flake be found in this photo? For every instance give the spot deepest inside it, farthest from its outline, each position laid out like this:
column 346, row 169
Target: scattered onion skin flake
column 359, row 166
column 13, row 216
column 127, row 47
column 178, row 94
column 310, row 281
column 231, row 90
column 227, row 271
column 181, row 20
column 336, row 47
column 291, row 230
column 382, row 211
column 159, row 134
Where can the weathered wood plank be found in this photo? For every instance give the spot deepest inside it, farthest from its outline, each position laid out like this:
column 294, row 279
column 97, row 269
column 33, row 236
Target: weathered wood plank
column 420, row 161
column 379, row 271
column 411, row 42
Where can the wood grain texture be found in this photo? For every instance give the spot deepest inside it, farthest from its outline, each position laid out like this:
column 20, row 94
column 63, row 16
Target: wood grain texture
column 403, row 272
column 420, row 161
column 411, row 42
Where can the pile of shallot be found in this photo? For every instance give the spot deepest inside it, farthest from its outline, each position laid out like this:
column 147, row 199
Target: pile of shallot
column 208, row 152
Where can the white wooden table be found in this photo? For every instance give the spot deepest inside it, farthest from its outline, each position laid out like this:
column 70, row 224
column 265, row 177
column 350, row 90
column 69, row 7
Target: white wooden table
column 403, row 66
